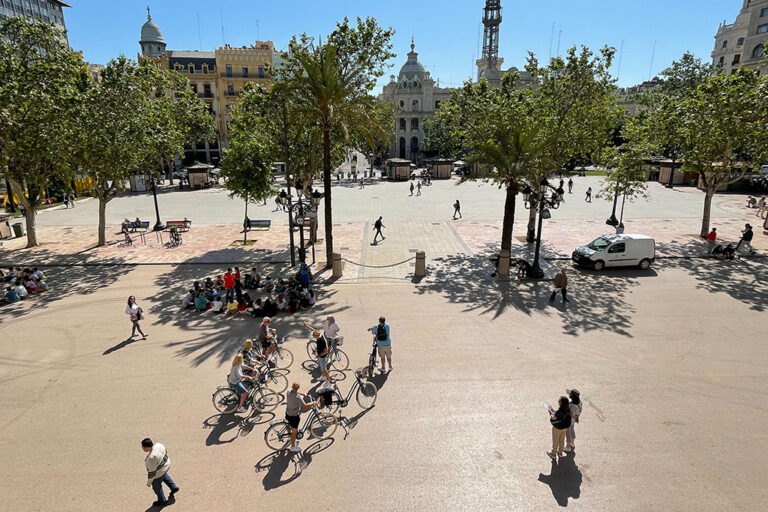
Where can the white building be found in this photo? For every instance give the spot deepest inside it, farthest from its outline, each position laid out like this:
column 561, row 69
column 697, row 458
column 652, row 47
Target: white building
column 742, row 43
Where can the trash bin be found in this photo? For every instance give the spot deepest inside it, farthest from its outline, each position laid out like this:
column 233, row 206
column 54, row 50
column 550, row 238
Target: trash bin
column 18, row 230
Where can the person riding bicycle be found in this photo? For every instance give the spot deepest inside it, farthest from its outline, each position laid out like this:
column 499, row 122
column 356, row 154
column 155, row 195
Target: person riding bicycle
column 383, row 342
column 322, row 348
column 267, row 337
column 294, row 405
column 236, row 378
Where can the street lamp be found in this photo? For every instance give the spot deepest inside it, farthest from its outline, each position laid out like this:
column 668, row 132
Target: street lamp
column 300, row 211
column 158, row 225
column 543, row 202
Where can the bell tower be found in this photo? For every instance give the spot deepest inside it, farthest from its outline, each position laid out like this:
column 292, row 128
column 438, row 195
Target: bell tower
column 489, row 66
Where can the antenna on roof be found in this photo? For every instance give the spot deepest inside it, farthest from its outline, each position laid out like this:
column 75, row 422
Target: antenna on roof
column 558, row 42
column 621, row 55
column 199, row 34
column 551, row 39
column 223, row 38
column 653, row 55
column 257, row 31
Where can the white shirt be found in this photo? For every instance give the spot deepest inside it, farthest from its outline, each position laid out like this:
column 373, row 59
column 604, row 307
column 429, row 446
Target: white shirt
column 132, row 310
column 235, row 375
column 331, row 331
column 156, row 468
column 188, row 300
column 21, row 291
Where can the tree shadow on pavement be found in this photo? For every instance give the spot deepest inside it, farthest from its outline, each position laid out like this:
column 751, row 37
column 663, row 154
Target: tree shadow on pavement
column 283, row 466
column 205, row 335
column 221, row 424
column 744, row 280
column 78, row 274
column 564, row 480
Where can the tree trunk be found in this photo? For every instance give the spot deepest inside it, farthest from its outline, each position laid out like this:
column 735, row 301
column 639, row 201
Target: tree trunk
column 30, row 208
column 31, row 228
column 11, row 202
column 623, row 200
column 530, row 236
column 707, row 210
column 102, row 221
column 509, row 218
column 327, row 190
column 245, row 224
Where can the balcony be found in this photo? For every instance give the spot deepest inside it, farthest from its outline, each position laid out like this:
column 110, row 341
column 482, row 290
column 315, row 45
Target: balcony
column 186, row 71
column 205, row 95
column 231, row 93
column 246, row 77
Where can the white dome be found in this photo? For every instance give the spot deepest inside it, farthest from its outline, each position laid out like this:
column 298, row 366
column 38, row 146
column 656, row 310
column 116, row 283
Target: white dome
column 150, row 32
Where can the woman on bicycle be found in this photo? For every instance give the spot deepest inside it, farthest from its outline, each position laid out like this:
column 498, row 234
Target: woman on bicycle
column 236, row 378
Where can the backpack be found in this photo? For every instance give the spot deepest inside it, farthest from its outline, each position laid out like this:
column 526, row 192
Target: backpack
column 381, row 333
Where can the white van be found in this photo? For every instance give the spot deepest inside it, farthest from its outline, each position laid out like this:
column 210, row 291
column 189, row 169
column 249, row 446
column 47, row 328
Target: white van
column 617, row 251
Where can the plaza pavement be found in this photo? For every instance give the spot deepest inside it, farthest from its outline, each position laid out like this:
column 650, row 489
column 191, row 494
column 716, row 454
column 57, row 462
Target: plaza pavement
column 670, row 364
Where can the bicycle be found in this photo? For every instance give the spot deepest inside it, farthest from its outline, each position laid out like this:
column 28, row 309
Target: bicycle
column 274, row 378
column 281, row 356
column 175, row 240
column 337, row 358
column 226, row 400
column 321, row 425
column 368, row 370
column 332, row 398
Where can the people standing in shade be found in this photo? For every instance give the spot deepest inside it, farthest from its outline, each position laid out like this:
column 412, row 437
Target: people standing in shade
column 746, row 239
column 570, row 185
column 561, row 284
column 589, row 195
column 561, row 421
column 418, row 188
column 158, row 463
column 381, row 333
column 377, row 227
column 712, row 240
column 135, row 313
column 575, row 407
column 456, row 209
column 294, row 405
column 229, row 285
column 411, row 188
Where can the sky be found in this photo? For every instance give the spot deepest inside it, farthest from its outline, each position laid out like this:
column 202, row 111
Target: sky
column 447, row 33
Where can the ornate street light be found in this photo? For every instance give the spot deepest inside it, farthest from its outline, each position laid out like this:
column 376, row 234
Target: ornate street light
column 543, row 203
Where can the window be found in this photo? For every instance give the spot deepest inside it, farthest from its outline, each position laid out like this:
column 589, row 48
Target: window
column 764, row 12
column 245, row 71
column 192, row 68
column 620, row 247
column 230, row 88
column 437, row 105
column 757, row 53
column 205, row 69
column 736, row 58
column 725, row 44
column 415, row 123
column 415, row 105
column 402, row 123
column 207, row 90
column 261, row 71
column 402, row 104
column 193, row 86
column 740, row 42
column 229, row 69
column 722, row 61
column 762, row 29
column 414, row 145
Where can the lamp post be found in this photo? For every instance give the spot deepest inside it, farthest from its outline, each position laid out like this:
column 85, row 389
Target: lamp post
column 553, row 202
column 158, row 225
column 299, row 211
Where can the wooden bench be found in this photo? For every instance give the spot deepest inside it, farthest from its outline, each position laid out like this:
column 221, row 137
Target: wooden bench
column 181, row 225
column 258, row 223
column 144, row 225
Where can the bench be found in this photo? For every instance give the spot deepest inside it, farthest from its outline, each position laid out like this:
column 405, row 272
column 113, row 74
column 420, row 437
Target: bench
column 258, row 223
column 181, row 225
column 144, row 224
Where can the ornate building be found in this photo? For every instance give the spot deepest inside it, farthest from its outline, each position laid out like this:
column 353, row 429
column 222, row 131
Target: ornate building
column 742, row 43
column 417, row 96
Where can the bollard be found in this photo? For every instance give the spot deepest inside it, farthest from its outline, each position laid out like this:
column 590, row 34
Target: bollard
column 337, row 268
column 503, row 268
column 421, row 265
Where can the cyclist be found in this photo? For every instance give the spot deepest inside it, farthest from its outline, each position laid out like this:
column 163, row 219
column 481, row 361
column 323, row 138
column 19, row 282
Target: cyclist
column 267, row 337
column 294, row 404
column 383, row 342
column 236, row 378
column 323, row 348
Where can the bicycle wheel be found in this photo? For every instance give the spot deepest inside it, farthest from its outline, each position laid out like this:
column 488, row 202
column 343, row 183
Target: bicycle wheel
column 278, row 382
column 277, row 436
column 366, row 395
column 335, row 405
column 339, row 360
column 283, row 357
column 265, row 400
column 312, row 350
column 225, row 400
column 323, row 425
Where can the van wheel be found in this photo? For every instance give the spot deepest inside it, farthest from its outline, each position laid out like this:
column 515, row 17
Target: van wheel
column 598, row 265
column 645, row 264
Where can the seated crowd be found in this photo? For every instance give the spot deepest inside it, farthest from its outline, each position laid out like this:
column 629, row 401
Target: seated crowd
column 21, row 282
column 229, row 293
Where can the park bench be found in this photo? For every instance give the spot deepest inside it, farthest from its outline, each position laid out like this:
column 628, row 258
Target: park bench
column 258, row 223
column 181, row 225
column 143, row 225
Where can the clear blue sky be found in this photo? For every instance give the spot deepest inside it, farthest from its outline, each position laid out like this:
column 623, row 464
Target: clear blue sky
column 446, row 31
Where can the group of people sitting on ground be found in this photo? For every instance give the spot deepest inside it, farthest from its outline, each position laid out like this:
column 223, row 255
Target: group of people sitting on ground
column 227, row 294
column 22, row 282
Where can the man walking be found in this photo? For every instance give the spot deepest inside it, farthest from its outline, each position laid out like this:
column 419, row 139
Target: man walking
column 561, row 283
column 711, row 238
column 411, row 188
column 589, row 195
column 294, row 405
column 383, row 343
column 418, row 188
column 158, row 464
column 570, row 185
column 746, row 239
column 456, row 209
column 72, row 200
column 377, row 227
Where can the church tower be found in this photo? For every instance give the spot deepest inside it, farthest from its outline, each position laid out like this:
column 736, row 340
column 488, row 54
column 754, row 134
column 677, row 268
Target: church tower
column 152, row 42
column 489, row 66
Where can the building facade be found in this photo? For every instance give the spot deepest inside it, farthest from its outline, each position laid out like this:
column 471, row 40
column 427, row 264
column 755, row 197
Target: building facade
column 417, row 97
column 743, row 42
column 46, row 10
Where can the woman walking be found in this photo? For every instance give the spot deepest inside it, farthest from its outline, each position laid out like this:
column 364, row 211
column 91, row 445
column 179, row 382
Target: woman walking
column 135, row 313
column 575, row 406
column 561, row 421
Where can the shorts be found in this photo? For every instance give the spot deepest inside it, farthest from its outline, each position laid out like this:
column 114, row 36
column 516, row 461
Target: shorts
column 266, row 344
column 323, row 363
column 239, row 388
column 293, row 421
column 385, row 351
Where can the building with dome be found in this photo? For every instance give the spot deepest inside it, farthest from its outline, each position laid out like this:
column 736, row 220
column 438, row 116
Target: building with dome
column 417, row 96
column 152, row 42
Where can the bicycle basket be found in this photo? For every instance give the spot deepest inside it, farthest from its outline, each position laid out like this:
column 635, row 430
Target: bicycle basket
column 362, row 372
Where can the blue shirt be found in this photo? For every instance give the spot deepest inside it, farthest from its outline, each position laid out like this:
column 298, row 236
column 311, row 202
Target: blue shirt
column 12, row 296
column 381, row 343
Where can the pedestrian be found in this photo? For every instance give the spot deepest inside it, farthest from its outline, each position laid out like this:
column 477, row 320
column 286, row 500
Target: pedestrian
column 561, row 421
column 411, row 188
column 136, row 314
column 362, row 183
column 575, row 407
column 158, row 464
column 229, row 285
column 746, row 239
column 561, row 284
column 562, row 182
column 570, row 185
column 377, row 227
column 72, row 200
column 418, row 188
column 619, row 228
column 66, row 201
column 711, row 240
column 294, row 405
column 381, row 333
column 456, row 209
column 589, row 195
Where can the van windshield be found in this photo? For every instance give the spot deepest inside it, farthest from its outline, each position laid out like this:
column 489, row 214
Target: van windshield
column 599, row 244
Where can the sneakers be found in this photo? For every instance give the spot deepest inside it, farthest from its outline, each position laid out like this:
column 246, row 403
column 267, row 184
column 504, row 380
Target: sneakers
column 551, row 454
column 381, row 369
column 159, row 503
column 391, row 367
column 295, row 448
column 242, row 410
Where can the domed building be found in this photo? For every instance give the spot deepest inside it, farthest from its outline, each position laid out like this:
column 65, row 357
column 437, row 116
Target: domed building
column 152, row 42
column 416, row 95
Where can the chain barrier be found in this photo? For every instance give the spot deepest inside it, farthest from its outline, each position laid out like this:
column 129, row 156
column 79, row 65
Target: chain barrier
column 378, row 266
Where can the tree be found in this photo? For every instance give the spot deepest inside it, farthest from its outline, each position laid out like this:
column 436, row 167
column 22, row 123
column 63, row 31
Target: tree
column 41, row 85
column 330, row 84
column 438, row 139
column 626, row 176
column 112, row 129
column 374, row 140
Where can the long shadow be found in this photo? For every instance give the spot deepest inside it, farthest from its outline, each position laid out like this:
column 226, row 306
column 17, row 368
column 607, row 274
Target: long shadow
column 283, row 467
column 120, row 345
column 564, row 479
column 205, row 335
column 70, row 275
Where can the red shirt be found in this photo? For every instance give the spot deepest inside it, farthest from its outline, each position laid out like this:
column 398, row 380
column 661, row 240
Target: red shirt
column 229, row 280
column 712, row 236
column 237, row 275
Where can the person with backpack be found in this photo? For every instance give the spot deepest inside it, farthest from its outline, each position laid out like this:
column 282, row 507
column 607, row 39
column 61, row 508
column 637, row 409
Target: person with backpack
column 575, row 407
column 381, row 332
column 561, row 422
column 377, row 227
